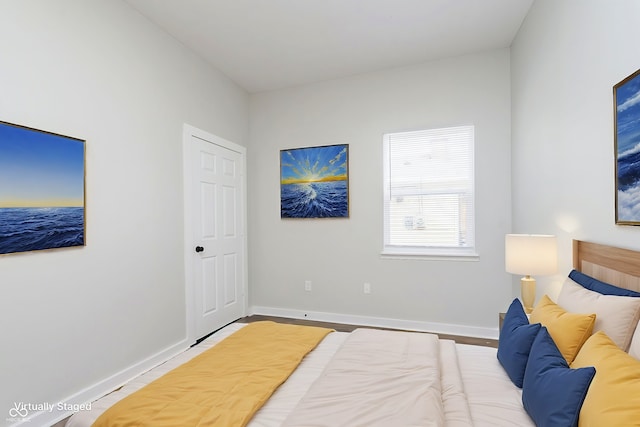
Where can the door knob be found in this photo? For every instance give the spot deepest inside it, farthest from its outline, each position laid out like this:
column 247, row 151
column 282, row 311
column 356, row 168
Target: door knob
column 199, row 249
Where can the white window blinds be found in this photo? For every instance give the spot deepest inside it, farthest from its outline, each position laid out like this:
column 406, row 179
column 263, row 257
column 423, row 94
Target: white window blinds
column 429, row 192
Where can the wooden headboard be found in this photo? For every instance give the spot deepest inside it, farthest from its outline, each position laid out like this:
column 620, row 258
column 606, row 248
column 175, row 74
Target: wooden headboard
column 617, row 266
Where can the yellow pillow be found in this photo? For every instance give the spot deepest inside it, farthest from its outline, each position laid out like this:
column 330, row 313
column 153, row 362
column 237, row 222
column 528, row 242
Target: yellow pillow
column 613, row 398
column 568, row 330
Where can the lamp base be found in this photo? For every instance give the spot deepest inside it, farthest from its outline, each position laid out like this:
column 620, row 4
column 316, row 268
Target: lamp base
column 528, row 292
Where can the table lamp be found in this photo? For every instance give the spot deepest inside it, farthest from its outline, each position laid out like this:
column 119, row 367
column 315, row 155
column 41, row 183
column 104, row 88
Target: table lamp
column 530, row 254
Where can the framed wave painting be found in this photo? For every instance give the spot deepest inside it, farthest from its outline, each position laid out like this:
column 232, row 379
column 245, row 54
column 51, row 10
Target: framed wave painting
column 626, row 99
column 314, row 182
column 42, row 190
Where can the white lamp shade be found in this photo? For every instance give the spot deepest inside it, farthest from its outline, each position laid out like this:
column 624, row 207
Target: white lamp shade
column 531, row 254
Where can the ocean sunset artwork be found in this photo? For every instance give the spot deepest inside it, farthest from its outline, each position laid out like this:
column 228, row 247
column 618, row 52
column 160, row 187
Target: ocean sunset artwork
column 314, row 182
column 41, row 190
column 627, row 137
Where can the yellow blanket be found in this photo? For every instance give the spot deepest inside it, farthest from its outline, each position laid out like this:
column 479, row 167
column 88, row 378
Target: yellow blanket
column 225, row 385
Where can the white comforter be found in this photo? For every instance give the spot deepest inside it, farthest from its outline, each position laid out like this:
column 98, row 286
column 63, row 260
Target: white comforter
column 383, row 378
column 474, row 389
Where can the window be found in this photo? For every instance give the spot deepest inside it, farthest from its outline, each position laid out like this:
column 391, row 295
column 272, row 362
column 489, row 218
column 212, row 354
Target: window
column 429, row 197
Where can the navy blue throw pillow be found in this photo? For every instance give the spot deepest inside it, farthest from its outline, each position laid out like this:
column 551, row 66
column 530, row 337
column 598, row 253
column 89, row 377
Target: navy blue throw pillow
column 516, row 338
column 553, row 393
column 596, row 285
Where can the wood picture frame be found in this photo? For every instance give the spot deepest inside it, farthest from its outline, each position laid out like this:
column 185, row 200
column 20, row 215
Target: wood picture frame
column 314, row 182
column 626, row 102
column 42, row 190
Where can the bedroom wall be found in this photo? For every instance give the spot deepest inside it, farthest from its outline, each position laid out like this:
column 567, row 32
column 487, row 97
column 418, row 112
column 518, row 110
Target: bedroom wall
column 99, row 71
column 339, row 255
column 565, row 61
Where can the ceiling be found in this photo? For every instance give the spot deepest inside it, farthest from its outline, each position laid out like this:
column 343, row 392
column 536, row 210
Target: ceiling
column 272, row 44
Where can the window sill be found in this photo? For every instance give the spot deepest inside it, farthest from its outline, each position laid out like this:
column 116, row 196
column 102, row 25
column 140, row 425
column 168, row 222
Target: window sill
column 437, row 255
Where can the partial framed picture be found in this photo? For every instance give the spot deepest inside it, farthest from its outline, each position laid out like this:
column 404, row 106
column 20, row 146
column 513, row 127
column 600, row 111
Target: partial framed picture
column 42, row 190
column 314, row 182
column 626, row 101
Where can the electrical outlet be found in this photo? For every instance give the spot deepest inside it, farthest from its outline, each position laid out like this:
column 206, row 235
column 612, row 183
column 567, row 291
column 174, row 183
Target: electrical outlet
column 366, row 288
column 307, row 285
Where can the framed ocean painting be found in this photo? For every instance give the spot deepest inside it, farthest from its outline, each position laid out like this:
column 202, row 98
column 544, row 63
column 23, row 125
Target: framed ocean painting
column 314, row 182
column 626, row 100
column 42, row 190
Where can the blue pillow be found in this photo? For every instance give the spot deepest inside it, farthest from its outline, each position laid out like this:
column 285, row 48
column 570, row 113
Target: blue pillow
column 516, row 338
column 596, row 285
column 553, row 393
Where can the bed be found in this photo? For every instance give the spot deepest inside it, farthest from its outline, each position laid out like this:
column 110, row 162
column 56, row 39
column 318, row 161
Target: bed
column 417, row 379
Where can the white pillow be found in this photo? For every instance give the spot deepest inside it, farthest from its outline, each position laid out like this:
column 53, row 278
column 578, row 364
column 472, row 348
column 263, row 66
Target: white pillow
column 616, row 316
column 634, row 348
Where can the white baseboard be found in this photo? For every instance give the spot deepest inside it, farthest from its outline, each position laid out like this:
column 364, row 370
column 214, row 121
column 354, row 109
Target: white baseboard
column 382, row 322
column 64, row 408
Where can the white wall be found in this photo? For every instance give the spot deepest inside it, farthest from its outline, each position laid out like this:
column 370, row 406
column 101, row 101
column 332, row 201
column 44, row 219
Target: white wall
column 97, row 70
column 566, row 59
column 339, row 255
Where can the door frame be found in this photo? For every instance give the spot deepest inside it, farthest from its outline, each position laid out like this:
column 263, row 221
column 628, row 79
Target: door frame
column 189, row 245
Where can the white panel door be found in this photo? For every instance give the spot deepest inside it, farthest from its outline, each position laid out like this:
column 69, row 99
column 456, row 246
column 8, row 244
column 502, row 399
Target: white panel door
column 218, row 248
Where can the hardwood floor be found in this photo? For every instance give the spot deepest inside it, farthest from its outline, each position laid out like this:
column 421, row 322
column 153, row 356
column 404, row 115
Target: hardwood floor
column 340, row 327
